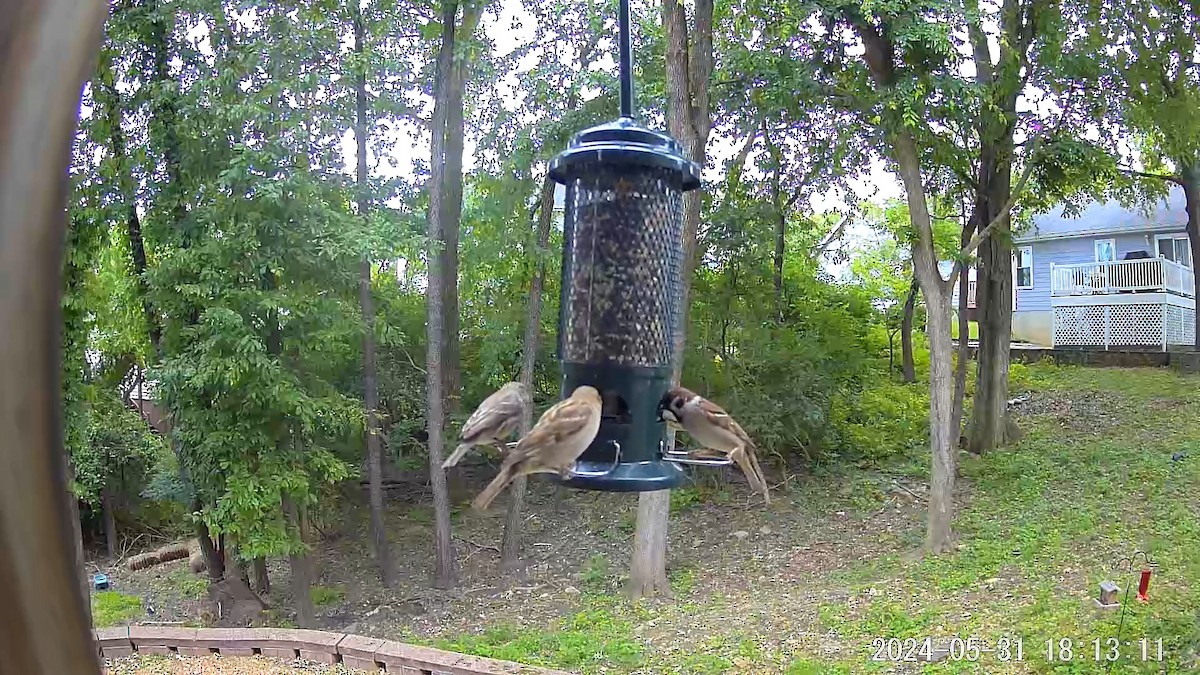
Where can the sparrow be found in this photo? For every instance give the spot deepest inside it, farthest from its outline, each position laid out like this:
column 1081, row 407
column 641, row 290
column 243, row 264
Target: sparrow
column 712, row 427
column 493, row 421
column 553, row 444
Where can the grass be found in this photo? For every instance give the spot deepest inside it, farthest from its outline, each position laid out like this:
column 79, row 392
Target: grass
column 189, row 585
column 114, row 608
column 596, row 640
column 972, row 330
column 1042, row 524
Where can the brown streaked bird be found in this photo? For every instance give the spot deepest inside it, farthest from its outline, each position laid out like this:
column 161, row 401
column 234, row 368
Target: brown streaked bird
column 713, row 428
column 493, row 421
column 552, row 446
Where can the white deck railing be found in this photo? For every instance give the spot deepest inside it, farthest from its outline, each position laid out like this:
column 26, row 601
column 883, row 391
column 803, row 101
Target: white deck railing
column 1122, row 276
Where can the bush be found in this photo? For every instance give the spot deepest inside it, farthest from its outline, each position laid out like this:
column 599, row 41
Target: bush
column 885, row 420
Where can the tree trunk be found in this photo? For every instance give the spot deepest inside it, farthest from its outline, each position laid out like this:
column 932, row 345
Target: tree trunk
column 444, row 562
column 301, row 566
column 943, row 439
column 964, row 332
column 909, row 368
column 262, row 581
column 1189, row 175
column 382, row 550
column 510, row 551
column 993, row 299
column 777, row 263
column 451, row 205
column 214, row 559
column 77, row 536
column 689, row 68
column 939, row 537
column 110, row 521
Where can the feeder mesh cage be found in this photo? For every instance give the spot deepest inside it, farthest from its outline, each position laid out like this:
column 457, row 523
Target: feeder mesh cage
column 625, row 260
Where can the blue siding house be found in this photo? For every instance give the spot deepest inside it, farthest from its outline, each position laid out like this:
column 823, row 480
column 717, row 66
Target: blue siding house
column 1109, row 277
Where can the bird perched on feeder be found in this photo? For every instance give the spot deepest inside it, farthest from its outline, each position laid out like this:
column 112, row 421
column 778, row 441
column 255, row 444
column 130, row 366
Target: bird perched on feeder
column 553, row 444
column 712, row 427
column 493, row 421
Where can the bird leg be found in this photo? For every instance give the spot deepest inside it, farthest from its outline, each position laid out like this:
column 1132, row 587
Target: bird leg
column 762, row 478
column 705, row 453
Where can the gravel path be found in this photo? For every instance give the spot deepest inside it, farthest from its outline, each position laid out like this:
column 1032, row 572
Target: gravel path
column 218, row 665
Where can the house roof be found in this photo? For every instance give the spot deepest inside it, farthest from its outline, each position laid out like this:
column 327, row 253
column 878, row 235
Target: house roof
column 1108, row 217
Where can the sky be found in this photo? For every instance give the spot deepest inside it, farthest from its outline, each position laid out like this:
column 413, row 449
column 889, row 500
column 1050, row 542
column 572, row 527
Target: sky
column 514, row 27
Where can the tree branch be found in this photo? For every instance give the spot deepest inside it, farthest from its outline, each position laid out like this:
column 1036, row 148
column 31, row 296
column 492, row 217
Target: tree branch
column 1014, row 194
column 833, row 236
column 1156, row 176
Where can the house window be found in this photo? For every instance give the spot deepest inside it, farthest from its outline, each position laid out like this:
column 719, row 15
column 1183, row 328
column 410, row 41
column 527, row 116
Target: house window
column 1106, row 250
column 1174, row 247
column 1024, row 265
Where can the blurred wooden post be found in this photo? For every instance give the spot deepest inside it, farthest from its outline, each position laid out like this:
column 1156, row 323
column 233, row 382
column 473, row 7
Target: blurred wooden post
column 47, row 52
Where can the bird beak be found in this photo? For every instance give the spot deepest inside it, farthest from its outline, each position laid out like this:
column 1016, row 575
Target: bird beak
column 665, row 414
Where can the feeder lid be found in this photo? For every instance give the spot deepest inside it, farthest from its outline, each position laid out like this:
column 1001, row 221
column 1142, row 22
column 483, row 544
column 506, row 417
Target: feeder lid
column 623, row 142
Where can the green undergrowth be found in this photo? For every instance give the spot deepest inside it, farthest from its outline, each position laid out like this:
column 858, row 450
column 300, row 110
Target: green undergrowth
column 1096, row 476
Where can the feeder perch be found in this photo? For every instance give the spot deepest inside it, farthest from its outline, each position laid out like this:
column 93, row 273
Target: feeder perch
column 621, row 287
column 1108, row 596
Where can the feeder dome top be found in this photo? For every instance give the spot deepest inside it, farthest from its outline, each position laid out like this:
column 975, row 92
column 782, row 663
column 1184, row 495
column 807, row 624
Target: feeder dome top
column 623, row 142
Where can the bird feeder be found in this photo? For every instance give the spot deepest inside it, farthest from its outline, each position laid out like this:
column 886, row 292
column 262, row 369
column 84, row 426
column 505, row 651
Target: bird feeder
column 621, row 286
column 1143, row 591
column 1108, row 596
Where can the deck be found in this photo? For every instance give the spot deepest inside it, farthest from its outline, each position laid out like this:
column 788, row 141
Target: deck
column 1148, row 303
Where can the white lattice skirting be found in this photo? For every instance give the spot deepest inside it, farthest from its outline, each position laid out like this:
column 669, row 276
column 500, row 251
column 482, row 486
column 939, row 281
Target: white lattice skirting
column 1126, row 325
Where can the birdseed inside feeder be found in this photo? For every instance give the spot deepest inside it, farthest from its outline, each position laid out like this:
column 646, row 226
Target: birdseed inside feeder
column 621, row 290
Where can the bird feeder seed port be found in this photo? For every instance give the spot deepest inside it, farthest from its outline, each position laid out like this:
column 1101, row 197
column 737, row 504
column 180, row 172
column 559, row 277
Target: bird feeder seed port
column 621, row 287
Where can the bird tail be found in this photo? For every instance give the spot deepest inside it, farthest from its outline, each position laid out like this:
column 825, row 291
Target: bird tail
column 494, row 488
column 456, row 455
column 762, row 479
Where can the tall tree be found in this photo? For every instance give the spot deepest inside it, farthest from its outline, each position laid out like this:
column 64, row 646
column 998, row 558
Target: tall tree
column 362, row 124
column 689, row 65
column 1002, row 80
column 1149, row 66
column 445, row 212
column 510, row 551
column 450, row 92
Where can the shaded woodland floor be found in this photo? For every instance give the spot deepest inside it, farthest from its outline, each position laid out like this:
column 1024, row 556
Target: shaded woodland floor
column 1110, row 463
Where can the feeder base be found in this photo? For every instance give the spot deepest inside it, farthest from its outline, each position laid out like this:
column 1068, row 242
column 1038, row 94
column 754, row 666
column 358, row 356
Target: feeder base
column 625, row 477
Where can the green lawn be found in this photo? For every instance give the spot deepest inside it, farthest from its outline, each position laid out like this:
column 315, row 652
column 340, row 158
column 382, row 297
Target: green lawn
column 972, row 330
column 1041, row 524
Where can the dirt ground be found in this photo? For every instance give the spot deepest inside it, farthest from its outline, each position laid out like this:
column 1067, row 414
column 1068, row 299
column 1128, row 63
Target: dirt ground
column 803, row 586
column 723, row 542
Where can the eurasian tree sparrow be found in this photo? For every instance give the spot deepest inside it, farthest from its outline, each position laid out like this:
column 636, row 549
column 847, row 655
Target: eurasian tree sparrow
column 552, row 446
column 493, row 421
column 712, row 427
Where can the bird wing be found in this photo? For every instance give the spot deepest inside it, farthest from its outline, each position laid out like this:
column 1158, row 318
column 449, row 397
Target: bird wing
column 562, row 420
column 501, row 405
column 722, row 419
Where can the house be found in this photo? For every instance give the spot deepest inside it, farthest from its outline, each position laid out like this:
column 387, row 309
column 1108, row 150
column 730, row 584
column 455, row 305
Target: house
column 1109, row 277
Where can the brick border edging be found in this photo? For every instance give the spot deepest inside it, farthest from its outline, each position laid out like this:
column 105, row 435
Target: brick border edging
column 355, row 651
